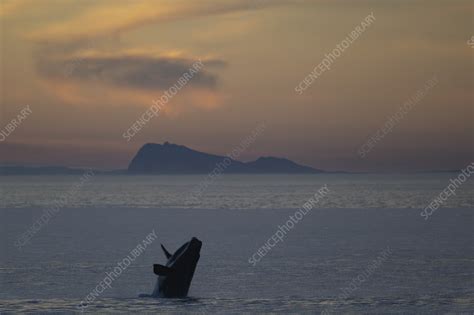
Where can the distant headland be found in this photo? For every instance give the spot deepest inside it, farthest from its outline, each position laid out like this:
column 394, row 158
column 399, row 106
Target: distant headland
column 171, row 158
column 168, row 158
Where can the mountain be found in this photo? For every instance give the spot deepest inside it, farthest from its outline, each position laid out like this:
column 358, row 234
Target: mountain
column 170, row 158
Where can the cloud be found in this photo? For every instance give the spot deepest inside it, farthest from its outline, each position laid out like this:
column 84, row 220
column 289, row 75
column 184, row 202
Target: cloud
column 8, row 7
column 115, row 16
column 127, row 69
column 128, row 78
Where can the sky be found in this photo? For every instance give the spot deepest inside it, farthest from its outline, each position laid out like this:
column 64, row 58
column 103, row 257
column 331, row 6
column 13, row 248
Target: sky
column 89, row 69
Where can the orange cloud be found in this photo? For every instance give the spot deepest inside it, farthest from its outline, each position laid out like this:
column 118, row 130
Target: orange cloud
column 111, row 17
column 8, row 7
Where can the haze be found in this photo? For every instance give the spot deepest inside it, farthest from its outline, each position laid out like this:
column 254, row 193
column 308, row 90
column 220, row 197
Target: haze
column 125, row 54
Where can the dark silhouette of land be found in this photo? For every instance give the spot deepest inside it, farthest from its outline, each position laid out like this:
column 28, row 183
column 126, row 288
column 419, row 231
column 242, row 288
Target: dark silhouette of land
column 39, row 170
column 170, row 158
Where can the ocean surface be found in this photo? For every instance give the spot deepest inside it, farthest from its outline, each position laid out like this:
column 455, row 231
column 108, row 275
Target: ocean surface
column 428, row 270
column 234, row 191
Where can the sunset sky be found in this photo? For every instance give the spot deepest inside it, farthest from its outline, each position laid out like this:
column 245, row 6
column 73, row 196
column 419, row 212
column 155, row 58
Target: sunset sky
column 88, row 69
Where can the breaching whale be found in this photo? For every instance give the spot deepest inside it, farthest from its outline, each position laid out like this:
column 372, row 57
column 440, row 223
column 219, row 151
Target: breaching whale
column 174, row 279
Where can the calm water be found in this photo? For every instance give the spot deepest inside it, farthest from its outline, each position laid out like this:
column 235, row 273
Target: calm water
column 234, row 191
column 430, row 269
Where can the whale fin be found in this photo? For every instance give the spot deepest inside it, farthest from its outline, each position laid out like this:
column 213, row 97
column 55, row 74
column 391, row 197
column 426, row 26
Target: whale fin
column 167, row 254
column 161, row 270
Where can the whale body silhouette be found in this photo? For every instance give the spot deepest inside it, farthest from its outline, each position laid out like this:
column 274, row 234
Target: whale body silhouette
column 174, row 279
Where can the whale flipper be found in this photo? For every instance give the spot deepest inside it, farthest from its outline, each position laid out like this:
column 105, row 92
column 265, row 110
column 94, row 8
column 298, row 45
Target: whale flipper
column 161, row 270
column 167, row 254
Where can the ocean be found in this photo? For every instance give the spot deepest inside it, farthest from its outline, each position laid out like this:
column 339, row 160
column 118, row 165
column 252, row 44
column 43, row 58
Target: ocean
column 234, row 191
column 362, row 248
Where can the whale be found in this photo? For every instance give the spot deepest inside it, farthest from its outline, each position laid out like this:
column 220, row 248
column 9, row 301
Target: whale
column 174, row 278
